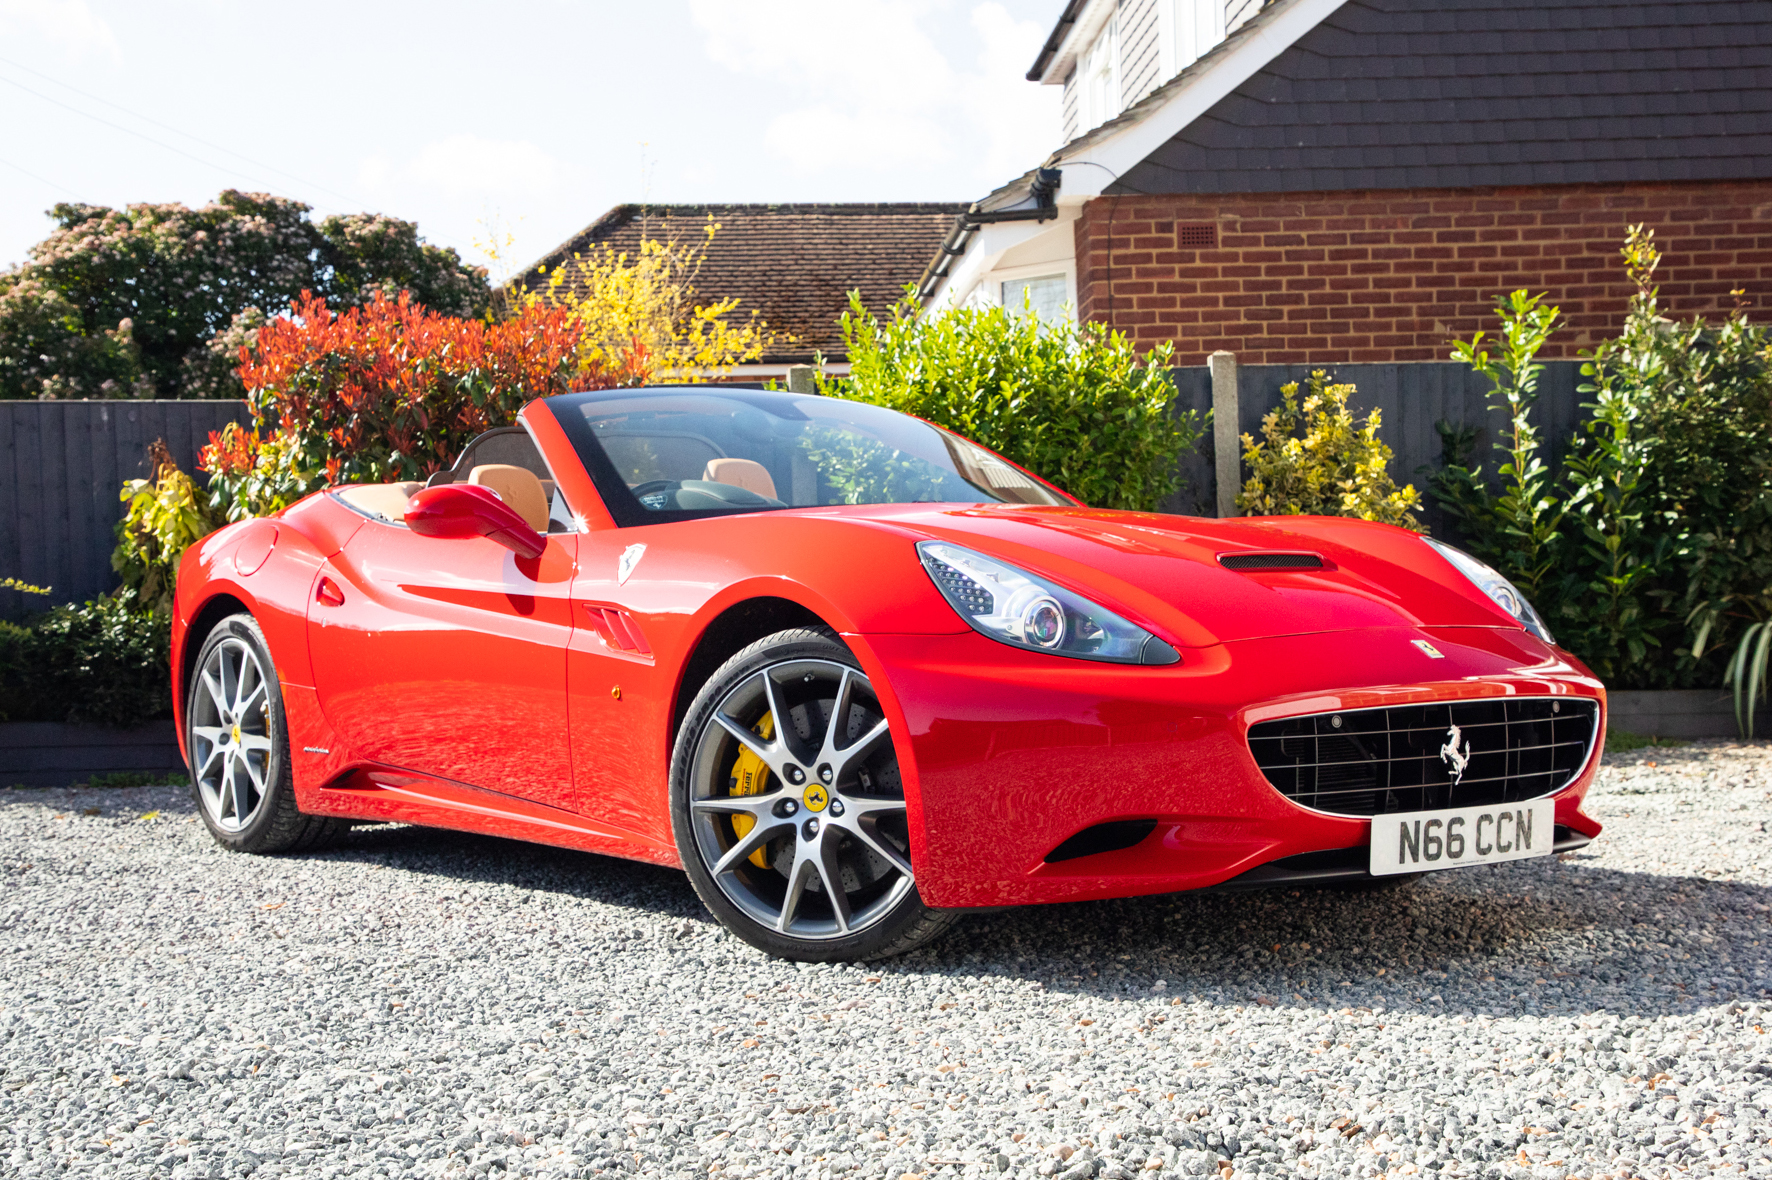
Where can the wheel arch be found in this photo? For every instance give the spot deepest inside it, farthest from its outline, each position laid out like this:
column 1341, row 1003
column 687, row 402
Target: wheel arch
column 204, row 619
column 734, row 628
column 212, row 612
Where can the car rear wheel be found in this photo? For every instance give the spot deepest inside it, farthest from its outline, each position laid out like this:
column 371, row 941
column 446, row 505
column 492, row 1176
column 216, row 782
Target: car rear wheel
column 788, row 807
column 238, row 742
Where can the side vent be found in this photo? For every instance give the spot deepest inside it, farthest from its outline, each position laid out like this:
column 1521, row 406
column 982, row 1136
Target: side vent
column 618, row 630
column 1270, row 561
column 1108, row 837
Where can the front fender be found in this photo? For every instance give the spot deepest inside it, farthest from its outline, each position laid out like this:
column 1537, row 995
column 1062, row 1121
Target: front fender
column 264, row 567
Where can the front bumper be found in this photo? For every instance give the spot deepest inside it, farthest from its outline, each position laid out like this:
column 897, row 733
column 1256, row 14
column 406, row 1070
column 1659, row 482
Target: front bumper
column 1011, row 753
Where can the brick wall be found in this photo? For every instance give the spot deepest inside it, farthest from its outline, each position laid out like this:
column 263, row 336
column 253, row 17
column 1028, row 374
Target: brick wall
column 1392, row 276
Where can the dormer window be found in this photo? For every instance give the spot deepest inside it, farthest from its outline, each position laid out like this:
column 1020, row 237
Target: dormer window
column 1101, row 77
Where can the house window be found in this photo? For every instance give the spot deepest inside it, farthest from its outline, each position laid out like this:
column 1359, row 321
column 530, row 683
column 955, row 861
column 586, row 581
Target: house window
column 1101, row 77
column 1044, row 296
column 1198, row 25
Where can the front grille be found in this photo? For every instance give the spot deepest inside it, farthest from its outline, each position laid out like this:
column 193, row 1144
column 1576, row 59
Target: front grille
column 1377, row 761
column 1270, row 561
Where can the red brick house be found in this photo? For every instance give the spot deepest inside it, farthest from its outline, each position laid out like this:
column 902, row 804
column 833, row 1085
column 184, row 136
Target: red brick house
column 793, row 264
column 1357, row 180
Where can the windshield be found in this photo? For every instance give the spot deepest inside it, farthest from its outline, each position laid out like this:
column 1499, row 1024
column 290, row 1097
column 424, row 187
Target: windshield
column 660, row 454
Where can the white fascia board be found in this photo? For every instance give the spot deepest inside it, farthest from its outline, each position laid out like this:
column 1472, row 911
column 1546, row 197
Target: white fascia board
column 1095, row 166
column 1089, row 24
column 985, row 250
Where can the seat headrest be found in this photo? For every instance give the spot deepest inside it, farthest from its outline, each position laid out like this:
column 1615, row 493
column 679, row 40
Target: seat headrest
column 748, row 474
column 517, row 487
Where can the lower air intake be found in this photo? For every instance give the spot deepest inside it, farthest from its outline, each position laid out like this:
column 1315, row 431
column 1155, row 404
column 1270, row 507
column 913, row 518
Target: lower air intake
column 1405, row 758
column 1108, row 837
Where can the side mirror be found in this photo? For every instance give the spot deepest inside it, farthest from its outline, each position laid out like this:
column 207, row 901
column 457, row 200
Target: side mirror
column 468, row 510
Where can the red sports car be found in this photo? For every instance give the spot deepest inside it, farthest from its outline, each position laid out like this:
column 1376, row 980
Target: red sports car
column 856, row 675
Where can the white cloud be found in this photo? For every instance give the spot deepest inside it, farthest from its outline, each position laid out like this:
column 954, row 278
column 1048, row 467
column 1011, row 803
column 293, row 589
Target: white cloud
column 870, row 86
column 469, row 165
column 69, row 22
column 482, row 189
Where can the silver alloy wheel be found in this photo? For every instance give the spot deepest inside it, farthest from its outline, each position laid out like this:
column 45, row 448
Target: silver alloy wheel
column 829, row 821
column 231, row 735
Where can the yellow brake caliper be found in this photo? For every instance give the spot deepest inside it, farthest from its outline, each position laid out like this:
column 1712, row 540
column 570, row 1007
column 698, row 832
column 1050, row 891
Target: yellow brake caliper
column 749, row 777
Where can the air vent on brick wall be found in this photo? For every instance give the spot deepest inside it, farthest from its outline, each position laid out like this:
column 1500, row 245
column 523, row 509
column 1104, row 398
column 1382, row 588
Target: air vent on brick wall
column 1197, row 237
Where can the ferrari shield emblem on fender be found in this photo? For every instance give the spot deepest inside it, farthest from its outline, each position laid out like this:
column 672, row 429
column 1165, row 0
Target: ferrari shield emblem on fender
column 630, row 557
column 1428, row 649
column 1454, row 757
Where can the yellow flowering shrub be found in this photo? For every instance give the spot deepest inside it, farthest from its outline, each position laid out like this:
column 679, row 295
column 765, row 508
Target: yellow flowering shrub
column 637, row 316
column 1334, row 466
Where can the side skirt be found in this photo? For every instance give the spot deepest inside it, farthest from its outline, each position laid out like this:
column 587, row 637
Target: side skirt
column 387, row 795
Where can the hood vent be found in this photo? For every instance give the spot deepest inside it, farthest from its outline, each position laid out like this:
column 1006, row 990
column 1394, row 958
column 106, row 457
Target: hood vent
column 1270, row 561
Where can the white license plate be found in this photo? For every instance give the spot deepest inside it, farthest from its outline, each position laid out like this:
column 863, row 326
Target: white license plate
column 1419, row 841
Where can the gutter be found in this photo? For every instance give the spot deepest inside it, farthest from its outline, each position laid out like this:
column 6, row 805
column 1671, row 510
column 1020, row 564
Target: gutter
column 1042, row 189
column 1055, row 39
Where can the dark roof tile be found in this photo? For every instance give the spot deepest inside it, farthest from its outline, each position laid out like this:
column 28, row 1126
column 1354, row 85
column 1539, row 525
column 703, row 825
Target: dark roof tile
column 1446, row 93
column 793, row 264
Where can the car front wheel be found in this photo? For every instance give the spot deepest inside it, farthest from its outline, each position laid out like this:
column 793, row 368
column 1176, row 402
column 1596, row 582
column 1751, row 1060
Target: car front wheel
column 788, row 807
column 238, row 743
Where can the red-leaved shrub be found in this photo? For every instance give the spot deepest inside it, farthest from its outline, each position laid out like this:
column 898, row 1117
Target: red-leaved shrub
column 391, row 390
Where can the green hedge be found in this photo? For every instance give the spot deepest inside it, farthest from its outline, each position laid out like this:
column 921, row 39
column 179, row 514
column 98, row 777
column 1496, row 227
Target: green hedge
column 102, row 662
column 1077, row 404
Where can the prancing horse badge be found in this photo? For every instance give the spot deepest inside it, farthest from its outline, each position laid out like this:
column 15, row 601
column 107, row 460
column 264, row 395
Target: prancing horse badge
column 630, row 557
column 1454, row 757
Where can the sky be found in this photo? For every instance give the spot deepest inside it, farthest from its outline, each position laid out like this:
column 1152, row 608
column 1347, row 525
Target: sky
column 514, row 124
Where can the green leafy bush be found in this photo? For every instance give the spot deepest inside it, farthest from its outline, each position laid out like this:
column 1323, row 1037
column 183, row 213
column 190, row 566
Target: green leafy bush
column 1335, row 467
column 1518, row 529
column 125, row 302
column 1074, row 403
column 166, row 515
column 1654, row 543
column 104, row 662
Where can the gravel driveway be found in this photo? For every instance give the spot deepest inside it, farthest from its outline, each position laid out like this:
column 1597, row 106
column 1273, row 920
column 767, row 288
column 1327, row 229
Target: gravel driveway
column 422, row 1004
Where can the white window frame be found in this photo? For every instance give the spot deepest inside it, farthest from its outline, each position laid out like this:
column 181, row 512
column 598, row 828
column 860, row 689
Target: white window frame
column 993, row 282
column 1098, row 78
column 1193, row 27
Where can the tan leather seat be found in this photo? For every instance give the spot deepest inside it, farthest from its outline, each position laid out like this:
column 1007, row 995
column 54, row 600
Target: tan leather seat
column 518, row 487
column 748, row 474
column 386, row 500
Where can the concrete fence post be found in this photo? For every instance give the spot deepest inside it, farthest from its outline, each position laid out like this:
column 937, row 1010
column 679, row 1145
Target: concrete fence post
column 1225, row 449
column 800, row 379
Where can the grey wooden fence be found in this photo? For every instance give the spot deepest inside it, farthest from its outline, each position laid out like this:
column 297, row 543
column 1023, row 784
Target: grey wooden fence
column 62, row 465
column 1411, row 398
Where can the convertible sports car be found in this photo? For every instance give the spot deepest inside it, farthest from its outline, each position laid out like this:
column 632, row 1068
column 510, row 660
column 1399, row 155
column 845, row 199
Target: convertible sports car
column 856, row 674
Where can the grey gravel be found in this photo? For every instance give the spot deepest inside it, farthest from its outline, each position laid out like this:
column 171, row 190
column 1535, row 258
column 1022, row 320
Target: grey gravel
column 418, row 1003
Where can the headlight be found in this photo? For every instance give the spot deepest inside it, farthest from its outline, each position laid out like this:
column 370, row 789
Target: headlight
column 1013, row 606
column 1505, row 594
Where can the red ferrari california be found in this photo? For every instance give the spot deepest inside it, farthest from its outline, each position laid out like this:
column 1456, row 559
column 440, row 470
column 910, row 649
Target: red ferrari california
column 856, row 675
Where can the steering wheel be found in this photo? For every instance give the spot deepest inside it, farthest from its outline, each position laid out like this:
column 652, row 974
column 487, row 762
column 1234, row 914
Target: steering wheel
column 652, row 485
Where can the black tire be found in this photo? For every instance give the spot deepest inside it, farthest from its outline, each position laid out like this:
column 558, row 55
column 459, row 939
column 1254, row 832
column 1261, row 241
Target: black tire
column 239, row 758
column 894, row 919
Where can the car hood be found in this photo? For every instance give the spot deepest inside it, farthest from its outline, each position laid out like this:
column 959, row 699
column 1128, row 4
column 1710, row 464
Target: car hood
column 1165, row 571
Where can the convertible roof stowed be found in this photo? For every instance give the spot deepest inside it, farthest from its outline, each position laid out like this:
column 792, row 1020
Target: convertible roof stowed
column 856, row 674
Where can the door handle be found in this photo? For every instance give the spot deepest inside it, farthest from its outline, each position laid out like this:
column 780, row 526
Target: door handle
column 327, row 593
